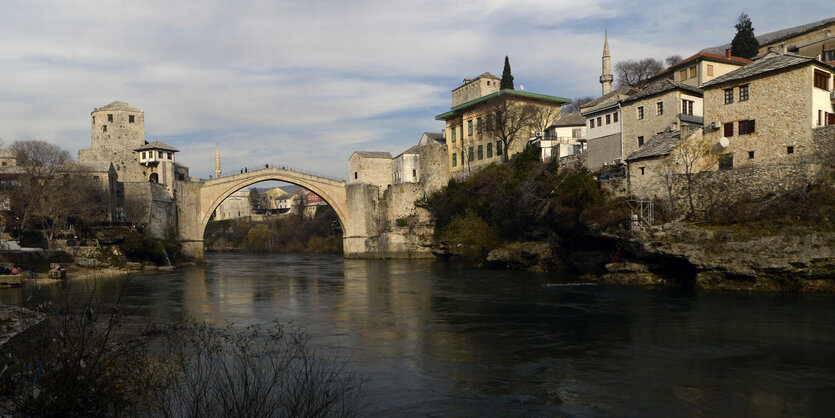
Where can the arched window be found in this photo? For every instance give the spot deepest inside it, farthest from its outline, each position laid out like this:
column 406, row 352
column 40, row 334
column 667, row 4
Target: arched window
column 154, row 178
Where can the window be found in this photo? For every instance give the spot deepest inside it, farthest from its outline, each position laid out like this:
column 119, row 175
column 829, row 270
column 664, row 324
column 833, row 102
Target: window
column 591, row 123
column 692, row 72
column 453, row 134
column 414, row 173
column 454, row 159
column 682, row 75
column 489, row 122
column 489, row 149
column 578, row 133
column 687, row 107
column 480, row 152
column 478, row 125
column 355, row 175
column 822, row 79
column 599, row 121
column 790, row 150
column 750, row 155
column 746, row 127
column 130, row 118
column 143, row 154
column 642, row 170
column 470, row 127
column 615, row 117
column 640, row 141
column 110, row 117
column 726, row 162
column 659, row 108
column 729, row 96
column 710, row 69
column 828, row 53
column 471, row 154
column 608, row 119
column 743, row 93
column 169, row 156
column 729, row 129
column 499, row 148
column 104, row 128
column 640, row 112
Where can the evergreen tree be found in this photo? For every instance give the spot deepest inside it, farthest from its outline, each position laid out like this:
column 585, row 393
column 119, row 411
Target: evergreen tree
column 507, row 77
column 744, row 45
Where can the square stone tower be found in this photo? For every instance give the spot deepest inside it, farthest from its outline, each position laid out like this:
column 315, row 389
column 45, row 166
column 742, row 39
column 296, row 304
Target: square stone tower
column 117, row 130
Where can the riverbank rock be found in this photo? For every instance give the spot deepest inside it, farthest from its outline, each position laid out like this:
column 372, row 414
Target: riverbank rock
column 630, row 272
column 739, row 257
column 529, row 256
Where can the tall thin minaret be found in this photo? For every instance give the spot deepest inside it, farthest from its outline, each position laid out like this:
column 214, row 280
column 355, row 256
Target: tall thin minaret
column 607, row 78
column 217, row 162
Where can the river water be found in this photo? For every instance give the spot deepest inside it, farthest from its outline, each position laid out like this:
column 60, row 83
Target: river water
column 443, row 339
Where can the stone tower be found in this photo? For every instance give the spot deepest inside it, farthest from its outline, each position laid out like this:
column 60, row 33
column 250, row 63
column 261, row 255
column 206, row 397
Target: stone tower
column 118, row 129
column 218, row 172
column 607, row 78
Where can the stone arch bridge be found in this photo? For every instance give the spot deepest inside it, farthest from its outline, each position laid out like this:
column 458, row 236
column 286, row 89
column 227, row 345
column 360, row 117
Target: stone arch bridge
column 198, row 200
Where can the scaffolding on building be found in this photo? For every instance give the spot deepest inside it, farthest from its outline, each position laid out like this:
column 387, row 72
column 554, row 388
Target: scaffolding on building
column 641, row 213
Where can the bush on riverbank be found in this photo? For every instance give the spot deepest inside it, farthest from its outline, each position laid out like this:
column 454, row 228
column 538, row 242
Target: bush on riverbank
column 291, row 233
column 525, row 200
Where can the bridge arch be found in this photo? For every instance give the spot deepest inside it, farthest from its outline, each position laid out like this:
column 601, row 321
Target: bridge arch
column 213, row 192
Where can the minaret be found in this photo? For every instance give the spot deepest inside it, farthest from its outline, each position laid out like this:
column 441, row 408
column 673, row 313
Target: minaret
column 217, row 162
column 607, row 78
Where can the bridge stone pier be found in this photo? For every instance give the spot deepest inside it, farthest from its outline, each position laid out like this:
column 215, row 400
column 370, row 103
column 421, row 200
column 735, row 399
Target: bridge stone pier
column 196, row 201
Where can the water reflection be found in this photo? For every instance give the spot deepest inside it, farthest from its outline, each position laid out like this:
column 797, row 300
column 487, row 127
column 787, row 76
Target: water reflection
column 442, row 339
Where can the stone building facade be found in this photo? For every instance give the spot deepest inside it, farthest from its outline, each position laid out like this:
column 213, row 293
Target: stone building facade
column 661, row 105
column 764, row 113
column 474, row 88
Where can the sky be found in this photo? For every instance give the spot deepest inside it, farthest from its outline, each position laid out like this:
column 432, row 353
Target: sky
column 304, row 84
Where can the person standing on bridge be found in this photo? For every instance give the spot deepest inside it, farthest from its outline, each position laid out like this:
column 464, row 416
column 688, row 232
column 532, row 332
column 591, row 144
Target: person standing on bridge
column 245, row 170
column 266, row 166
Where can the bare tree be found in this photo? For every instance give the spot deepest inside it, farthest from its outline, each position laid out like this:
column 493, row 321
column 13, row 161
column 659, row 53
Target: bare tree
column 667, row 174
column 135, row 210
column 68, row 194
column 39, row 162
column 694, row 155
column 516, row 119
column 635, row 73
column 576, row 104
column 672, row 60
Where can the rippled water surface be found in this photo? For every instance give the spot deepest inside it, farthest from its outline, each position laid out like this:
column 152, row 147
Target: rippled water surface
column 439, row 339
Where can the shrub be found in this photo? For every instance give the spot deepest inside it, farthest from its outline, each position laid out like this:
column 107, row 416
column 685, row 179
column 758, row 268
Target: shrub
column 470, row 237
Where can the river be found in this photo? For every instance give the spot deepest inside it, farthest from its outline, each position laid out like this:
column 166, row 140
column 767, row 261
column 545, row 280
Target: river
column 443, row 339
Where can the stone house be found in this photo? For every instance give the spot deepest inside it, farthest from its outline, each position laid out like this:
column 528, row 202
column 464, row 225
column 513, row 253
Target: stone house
column 473, row 124
column 660, row 105
column 701, row 68
column 235, row 206
column 370, row 167
column 406, row 166
column 764, row 113
column 815, row 39
column 566, row 136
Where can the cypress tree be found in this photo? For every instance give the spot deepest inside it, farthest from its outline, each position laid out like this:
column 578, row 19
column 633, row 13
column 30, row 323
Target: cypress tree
column 745, row 44
column 507, row 78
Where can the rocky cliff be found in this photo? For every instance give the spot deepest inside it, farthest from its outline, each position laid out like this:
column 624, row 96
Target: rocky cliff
column 779, row 258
